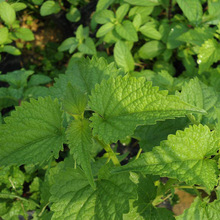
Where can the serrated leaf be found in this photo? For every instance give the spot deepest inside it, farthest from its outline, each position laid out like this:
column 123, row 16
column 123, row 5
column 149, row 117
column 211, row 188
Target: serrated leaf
column 74, row 101
column 184, row 156
column 127, row 31
column 209, row 53
column 123, row 56
column 192, row 9
column 198, row 94
column 32, row 134
column 85, row 74
column 49, row 7
column 79, row 136
column 73, row 197
column 7, row 13
column 200, row 210
column 122, row 103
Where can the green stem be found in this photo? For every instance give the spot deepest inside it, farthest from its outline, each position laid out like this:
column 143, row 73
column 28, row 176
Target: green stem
column 190, row 187
column 138, row 154
column 111, row 153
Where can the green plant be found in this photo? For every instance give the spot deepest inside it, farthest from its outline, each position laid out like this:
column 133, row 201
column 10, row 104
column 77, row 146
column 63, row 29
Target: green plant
column 93, row 106
column 10, row 29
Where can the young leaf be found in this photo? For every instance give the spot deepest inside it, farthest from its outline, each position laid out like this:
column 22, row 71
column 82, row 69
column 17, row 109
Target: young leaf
column 3, row 35
column 68, row 43
column 38, row 79
column 24, row 34
column 49, row 7
column 7, row 13
column 88, row 47
column 73, row 15
column 104, row 29
column 11, row 50
column 127, row 31
column 79, row 136
column 192, row 9
column 123, row 103
column 121, row 12
column 151, row 49
column 200, row 210
column 32, row 134
column 184, row 156
column 144, row 2
column 123, row 56
column 73, row 197
column 103, row 4
column 18, row 6
column 149, row 30
column 74, row 101
column 104, row 16
column 209, row 53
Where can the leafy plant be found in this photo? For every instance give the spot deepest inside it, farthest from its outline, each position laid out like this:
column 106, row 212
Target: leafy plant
column 10, row 29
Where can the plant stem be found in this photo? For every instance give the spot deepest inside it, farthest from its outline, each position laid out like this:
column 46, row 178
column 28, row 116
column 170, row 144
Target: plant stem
column 138, row 154
column 112, row 155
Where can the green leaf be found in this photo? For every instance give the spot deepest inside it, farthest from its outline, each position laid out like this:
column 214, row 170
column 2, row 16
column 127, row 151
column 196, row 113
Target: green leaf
column 144, row 2
column 103, row 4
column 137, row 21
column 24, row 34
column 123, row 56
column 9, row 97
column 38, row 79
column 74, row 101
column 175, row 31
column 149, row 30
column 104, row 29
column 200, row 95
column 32, row 134
column 209, row 53
column 68, row 43
column 36, row 91
column 197, row 36
column 3, row 35
column 79, row 136
column 17, row 78
column 127, row 31
column 151, row 49
column 200, row 210
column 88, row 47
column 73, row 15
column 18, row 6
column 7, row 13
column 73, row 198
column 11, row 50
column 85, row 74
column 121, row 12
column 142, row 208
column 184, row 156
column 123, row 103
column 192, row 9
column 49, row 7
column 104, row 16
